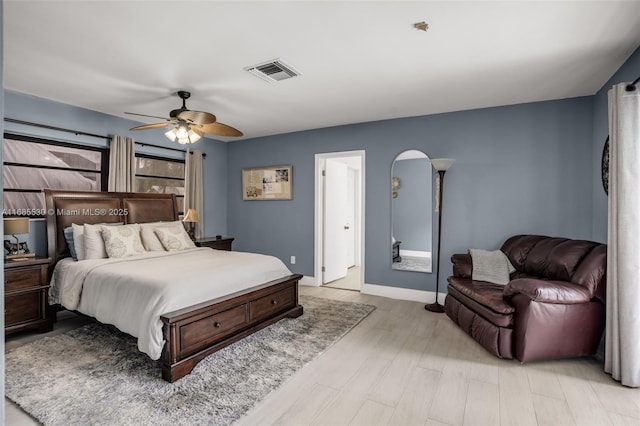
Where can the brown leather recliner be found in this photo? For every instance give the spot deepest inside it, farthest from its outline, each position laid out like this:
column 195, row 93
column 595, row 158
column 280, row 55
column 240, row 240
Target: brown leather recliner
column 552, row 308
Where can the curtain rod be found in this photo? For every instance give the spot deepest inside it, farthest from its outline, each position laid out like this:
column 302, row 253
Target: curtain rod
column 61, row 129
column 204, row 154
column 631, row 87
column 93, row 135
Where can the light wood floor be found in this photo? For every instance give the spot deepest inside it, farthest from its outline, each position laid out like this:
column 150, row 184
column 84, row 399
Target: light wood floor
column 403, row 365
column 349, row 282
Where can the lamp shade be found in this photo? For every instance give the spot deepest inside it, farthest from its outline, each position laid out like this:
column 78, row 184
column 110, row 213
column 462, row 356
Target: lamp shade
column 18, row 225
column 191, row 216
column 171, row 134
column 442, row 164
column 194, row 136
column 184, row 134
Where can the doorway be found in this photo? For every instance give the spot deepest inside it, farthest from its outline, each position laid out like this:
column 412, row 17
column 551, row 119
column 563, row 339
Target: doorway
column 339, row 219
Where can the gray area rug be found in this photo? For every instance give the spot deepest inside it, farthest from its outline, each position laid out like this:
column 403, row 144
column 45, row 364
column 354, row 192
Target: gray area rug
column 95, row 375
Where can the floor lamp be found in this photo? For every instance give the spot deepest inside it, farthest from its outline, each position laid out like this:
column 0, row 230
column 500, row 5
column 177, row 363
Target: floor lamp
column 441, row 165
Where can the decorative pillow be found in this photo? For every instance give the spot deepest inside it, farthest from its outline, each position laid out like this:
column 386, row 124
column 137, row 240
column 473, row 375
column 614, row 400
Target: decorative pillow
column 150, row 240
column 122, row 241
column 93, row 243
column 490, row 266
column 78, row 240
column 68, row 236
column 174, row 237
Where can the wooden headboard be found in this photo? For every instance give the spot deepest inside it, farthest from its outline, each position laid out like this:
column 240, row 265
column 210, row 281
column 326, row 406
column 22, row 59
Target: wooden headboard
column 80, row 207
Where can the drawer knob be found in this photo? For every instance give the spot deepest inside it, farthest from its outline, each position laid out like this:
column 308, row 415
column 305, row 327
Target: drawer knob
column 217, row 325
column 274, row 302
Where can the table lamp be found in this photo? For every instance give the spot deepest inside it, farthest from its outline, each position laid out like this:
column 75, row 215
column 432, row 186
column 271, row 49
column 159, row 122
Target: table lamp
column 191, row 218
column 17, row 250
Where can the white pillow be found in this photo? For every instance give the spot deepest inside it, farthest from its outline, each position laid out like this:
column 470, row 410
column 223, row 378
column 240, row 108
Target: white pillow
column 122, row 241
column 93, row 243
column 174, row 237
column 78, row 240
column 150, row 240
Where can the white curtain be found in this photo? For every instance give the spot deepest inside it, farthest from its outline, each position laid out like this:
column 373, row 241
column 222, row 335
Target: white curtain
column 122, row 164
column 622, row 341
column 193, row 188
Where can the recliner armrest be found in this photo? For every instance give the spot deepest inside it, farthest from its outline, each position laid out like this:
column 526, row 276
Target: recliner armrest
column 548, row 291
column 462, row 265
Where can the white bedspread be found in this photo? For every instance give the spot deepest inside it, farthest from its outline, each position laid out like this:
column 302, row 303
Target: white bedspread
column 132, row 293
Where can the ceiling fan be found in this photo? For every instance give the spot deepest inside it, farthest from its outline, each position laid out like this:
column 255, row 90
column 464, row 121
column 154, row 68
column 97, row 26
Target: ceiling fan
column 188, row 125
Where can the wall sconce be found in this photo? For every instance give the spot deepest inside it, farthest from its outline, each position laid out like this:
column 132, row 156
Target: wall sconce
column 17, row 250
column 396, row 183
column 191, row 218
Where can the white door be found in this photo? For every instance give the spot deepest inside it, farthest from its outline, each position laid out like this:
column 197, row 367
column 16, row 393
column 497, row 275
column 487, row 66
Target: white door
column 351, row 218
column 335, row 221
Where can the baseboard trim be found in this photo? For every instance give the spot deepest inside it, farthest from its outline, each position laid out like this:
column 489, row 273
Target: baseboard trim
column 402, row 293
column 386, row 291
column 308, row 281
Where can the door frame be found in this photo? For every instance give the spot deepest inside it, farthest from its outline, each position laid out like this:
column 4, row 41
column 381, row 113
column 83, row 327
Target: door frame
column 319, row 209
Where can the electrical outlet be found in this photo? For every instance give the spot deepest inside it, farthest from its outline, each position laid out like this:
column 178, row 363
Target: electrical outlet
column 293, row 260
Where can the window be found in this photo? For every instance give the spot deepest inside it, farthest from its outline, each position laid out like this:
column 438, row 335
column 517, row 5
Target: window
column 31, row 164
column 161, row 175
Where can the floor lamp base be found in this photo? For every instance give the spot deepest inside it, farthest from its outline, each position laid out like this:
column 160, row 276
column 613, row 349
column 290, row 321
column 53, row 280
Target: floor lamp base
column 434, row 307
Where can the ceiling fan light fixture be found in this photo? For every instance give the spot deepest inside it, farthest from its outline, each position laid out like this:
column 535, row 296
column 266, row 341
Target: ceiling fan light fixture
column 182, row 131
column 171, row 134
column 184, row 134
column 193, row 136
column 188, row 126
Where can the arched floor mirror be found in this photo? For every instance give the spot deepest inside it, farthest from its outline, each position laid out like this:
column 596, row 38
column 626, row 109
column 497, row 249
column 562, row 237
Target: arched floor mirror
column 411, row 210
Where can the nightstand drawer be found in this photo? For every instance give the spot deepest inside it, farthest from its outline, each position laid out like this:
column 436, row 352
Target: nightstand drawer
column 22, row 278
column 23, row 307
column 25, row 295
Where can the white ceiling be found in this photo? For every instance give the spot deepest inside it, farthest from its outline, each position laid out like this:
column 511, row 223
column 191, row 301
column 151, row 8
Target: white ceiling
column 361, row 61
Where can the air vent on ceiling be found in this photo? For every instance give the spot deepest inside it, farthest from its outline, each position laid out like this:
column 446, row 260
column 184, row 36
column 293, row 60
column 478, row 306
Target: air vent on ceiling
column 271, row 71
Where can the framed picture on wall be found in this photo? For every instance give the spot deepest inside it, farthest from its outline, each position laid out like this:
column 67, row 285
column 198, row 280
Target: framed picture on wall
column 267, row 183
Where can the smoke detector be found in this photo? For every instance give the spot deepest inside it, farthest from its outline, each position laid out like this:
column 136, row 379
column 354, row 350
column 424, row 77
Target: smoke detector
column 272, row 71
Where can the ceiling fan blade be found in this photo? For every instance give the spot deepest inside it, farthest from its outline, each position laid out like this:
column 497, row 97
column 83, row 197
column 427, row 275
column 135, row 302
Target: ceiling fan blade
column 220, row 129
column 152, row 116
column 197, row 117
column 152, row 126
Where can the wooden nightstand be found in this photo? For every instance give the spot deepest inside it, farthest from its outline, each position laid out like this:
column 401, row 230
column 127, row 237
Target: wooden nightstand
column 223, row 243
column 26, row 285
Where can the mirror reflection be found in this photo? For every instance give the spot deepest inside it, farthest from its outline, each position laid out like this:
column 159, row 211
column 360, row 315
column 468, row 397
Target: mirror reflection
column 411, row 227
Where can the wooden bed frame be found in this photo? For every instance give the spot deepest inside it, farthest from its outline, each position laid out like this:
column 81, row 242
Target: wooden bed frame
column 194, row 332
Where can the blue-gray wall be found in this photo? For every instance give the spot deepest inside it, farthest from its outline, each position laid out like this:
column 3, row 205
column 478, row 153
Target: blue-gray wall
column 411, row 209
column 531, row 168
column 627, row 73
column 38, row 110
column 519, row 169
